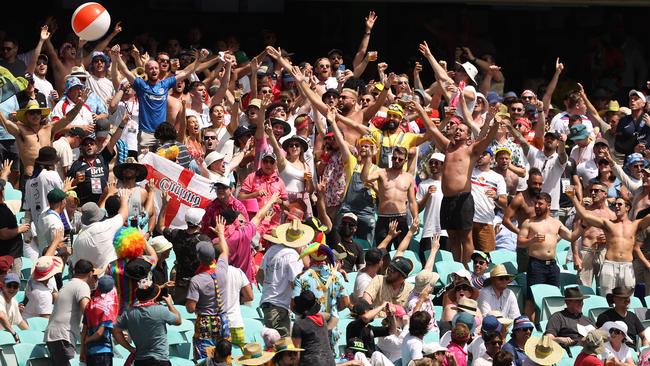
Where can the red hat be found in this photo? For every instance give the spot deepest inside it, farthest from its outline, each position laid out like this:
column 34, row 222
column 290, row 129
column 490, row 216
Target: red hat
column 6, row 262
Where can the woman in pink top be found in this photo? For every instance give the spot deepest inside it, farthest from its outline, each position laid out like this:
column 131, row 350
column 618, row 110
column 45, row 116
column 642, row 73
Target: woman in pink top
column 459, row 338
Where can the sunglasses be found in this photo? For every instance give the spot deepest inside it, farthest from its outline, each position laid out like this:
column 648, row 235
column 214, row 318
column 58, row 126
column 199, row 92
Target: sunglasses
column 403, row 82
column 619, row 203
column 12, row 285
column 527, row 97
column 324, row 66
column 295, row 144
column 595, row 190
column 41, row 62
column 99, row 60
column 265, row 91
column 161, row 60
column 464, row 288
column 480, row 262
column 517, row 109
column 209, row 137
column 32, row 113
column 397, row 159
column 496, row 343
column 7, row 48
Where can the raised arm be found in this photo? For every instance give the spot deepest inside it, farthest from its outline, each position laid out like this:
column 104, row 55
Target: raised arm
column 116, row 135
column 224, row 82
column 103, row 44
column 44, row 36
column 366, row 175
column 321, row 187
column 181, row 121
column 219, row 228
column 439, row 71
column 259, row 216
column 481, row 145
column 10, row 126
column 592, row 113
column 338, row 135
column 392, row 234
column 482, row 64
column 599, row 222
column 404, row 244
column 116, row 59
column 363, row 45
column 70, row 116
column 277, row 149
column 550, row 88
column 373, row 108
column 467, row 115
column 193, row 67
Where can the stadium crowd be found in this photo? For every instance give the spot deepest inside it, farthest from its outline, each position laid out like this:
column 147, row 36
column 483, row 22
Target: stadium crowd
column 350, row 221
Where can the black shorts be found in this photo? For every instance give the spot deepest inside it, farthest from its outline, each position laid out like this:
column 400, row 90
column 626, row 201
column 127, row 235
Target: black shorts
column 457, row 212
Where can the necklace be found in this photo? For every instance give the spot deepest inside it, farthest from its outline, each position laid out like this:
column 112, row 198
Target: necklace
column 38, row 138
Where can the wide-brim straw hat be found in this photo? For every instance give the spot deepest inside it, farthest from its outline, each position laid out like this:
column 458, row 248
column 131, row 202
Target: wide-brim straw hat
column 32, row 105
column 253, row 354
column 543, row 350
column 293, row 234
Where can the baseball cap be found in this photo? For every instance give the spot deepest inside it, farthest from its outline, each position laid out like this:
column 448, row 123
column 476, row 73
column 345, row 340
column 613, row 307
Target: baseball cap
column 12, row 277
column 350, row 215
column 269, row 154
column 204, row 251
column 638, row 94
column 437, row 156
column 194, row 215
column 402, row 265
column 105, row 284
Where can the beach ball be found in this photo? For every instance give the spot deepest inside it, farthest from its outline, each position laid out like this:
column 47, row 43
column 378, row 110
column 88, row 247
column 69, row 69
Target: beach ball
column 90, row 21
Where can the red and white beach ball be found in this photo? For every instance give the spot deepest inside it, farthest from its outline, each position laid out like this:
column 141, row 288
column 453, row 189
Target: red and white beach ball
column 90, row 21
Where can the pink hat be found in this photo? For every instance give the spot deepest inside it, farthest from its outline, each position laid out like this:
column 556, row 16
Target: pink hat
column 399, row 310
column 251, row 205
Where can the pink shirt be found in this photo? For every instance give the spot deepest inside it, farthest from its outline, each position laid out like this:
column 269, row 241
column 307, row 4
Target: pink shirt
column 258, row 181
column 459, row 354
column 241, row 251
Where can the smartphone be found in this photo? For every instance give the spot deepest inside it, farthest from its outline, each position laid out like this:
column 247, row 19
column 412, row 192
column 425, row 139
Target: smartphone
column 340, row 71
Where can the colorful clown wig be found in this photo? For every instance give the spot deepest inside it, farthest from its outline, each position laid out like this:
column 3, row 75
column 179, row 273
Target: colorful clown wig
column 129, row 243
column 319, row 252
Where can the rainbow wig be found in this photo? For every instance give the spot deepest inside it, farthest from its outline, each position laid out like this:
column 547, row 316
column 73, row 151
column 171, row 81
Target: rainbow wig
column 129, row 243
column 319, row 252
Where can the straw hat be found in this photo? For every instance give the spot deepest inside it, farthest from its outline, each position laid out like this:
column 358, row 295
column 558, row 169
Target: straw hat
column 286, row 344
column 502, row 319
column 46, row 267
column 499, row 270
column 424, row 278
column 293, row 234
column 140, row 170
column 594, row 342
column 467, row 305
column 543, row 350
column 253, row 354
column 32, row 105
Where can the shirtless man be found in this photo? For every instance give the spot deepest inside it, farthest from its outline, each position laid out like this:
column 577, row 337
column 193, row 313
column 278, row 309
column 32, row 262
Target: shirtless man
column 457, row 207
column 395, row 187
column 620, row 234
column 503, row 158
column 521, row 208
column 540, row 235
column 355, row 117
column 33, row 132
column 588, row 258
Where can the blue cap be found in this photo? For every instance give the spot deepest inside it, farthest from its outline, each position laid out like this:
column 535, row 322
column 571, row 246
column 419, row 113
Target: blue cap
column 493, row 97
column 464, row 318
column 12, row 277
column 105, row 284
column 72, row 82
column 522, row 322
column 491, row 324
column 578, row 132
column 635, row 158
column 510, row 94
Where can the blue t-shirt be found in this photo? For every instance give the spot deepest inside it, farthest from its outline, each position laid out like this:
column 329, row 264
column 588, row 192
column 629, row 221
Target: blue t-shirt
column 7, row 107
column 147, row 327
column 105, row 344
column 153, row 102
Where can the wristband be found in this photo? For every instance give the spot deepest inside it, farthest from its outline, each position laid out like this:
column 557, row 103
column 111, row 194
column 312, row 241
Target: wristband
column 121, row 126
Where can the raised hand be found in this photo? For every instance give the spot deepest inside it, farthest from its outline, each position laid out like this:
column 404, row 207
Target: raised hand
column 370, row 21
column 67, row 184
column 164, row 197
column 115, row 51
column 84, row 94
column 321, row 186
column 382, row 66
column 297, row 74
column 275, row 197
column 6, row 169
column 203, row 54
column 151, row 185
column 273, row 52
column 494, row 69
column 45, row 33
column 424, row 49
column 392, row 79
column 220, row 226
column 558, row 65
column 468, row 53
column 331, row 114
column 392, row 229
column 118, row 27
column 418, row 68
column 111, row 188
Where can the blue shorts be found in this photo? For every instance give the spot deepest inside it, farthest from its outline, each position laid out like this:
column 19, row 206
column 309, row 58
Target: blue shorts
column 542, row 272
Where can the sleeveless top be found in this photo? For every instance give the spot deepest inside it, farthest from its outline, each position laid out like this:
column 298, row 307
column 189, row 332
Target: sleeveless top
column 293, row 178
